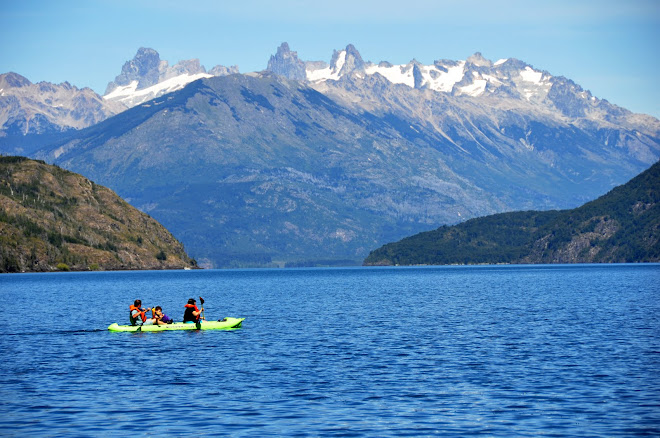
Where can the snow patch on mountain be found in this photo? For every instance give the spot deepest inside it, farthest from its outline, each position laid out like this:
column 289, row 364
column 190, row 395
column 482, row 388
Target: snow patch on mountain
column 320, row 71
column 443, row 79
column 322, row 74
column 397, row 74
column 530, row 75
column 508, row 82
column 131, row 96
column 436, row 77
column 341, row 60
column 474, row 89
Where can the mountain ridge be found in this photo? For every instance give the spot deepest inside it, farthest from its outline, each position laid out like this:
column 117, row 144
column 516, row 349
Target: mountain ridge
column 45, row 108
column 146, row 76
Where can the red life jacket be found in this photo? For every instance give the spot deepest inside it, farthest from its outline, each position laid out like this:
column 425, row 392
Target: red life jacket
column 143, row 315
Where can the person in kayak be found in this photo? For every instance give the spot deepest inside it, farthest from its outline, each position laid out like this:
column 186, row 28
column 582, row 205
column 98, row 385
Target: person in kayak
column 139, row 315
column 192, row 313
column 160, row 317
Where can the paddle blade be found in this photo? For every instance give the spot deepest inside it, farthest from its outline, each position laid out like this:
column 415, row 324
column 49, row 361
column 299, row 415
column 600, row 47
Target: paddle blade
column 201, row 300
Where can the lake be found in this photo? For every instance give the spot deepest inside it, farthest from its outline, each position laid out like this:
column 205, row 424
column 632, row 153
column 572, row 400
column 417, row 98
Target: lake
column 428, row 351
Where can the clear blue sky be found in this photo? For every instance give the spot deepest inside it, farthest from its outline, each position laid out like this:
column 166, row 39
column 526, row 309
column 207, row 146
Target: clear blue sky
column 610, row 47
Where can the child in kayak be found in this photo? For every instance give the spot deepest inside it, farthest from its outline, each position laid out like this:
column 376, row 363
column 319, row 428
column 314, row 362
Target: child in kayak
column 160, row 317
column 139, row 315
column 192, row 313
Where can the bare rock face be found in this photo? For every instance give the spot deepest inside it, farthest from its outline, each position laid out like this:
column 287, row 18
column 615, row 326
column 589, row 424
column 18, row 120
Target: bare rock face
column 221, row 70
column 145, row 68
column 286, row 63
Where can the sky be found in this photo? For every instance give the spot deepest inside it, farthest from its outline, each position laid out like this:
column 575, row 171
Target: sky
column 609, row 47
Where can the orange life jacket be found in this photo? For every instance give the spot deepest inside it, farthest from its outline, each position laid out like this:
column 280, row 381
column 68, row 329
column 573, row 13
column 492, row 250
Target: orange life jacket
column 143, row 315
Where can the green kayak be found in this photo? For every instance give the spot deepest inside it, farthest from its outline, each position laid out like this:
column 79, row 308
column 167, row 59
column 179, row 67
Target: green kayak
column 226, row 324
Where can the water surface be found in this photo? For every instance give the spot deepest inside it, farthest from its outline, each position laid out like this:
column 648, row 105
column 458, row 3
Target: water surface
column 498, row 351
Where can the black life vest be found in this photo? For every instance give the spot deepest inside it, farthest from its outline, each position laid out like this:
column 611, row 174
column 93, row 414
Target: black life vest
column 188, row 314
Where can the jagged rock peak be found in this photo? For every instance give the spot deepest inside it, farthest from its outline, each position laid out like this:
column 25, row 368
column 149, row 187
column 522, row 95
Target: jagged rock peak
column 44, row 107
column 478, row 60
column 144, row 68
column 190, row 66
column 284, row 49
column 352, row 51
column 352, row 61
column 286, row 63
column 186, row 67
column 147, row 70
column 418, row 76
column 221, row 70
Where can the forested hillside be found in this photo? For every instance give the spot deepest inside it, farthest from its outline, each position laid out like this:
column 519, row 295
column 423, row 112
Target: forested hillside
column 621, row 226
column 53, row 219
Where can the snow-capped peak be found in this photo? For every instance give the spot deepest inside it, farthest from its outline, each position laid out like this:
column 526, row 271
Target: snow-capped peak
column 146, row 77
column 472, row 77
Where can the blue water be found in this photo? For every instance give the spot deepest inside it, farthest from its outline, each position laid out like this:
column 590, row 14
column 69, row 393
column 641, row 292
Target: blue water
column 453, row 351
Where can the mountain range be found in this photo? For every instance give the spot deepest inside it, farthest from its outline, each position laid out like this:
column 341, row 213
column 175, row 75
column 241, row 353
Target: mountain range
column 45, row 108
column 312, row 163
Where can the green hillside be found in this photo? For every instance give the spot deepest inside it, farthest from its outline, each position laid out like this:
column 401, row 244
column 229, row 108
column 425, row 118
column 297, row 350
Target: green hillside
column 53, row 219
column 621, row 226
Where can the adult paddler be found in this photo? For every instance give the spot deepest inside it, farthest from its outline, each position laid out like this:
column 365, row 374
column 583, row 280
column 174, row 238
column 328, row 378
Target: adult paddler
column 139, row 315
column 192, row 313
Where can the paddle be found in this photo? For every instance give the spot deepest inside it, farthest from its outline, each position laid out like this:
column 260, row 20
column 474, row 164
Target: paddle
column 199, row 321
